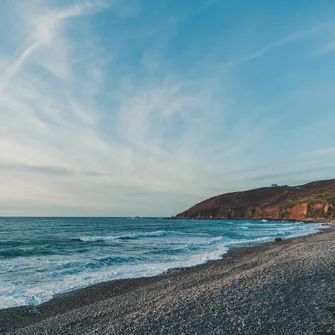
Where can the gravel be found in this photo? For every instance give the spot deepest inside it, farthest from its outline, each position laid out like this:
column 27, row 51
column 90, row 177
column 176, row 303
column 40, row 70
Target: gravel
column 286, row 287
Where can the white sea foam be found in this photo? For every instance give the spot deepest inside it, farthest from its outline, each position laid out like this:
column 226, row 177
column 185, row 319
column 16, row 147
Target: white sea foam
column 116, row 254
column 159, row 233
column 33, row 295
column 121, row 237
column 97, row 238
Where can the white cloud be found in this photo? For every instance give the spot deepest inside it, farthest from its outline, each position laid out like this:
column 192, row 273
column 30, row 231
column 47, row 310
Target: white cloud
column 327, row 48
column 83, row 134
column 209, row 3
column 283, row 41
column 53, row 150
column 320, row 152
column 42, row 42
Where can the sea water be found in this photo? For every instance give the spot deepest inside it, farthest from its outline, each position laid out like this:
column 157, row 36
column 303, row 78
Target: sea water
column 41, row 257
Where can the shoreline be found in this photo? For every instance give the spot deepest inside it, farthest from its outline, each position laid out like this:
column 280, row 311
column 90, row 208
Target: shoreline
column 19, row 320
column 325, row 221
column 241, row 245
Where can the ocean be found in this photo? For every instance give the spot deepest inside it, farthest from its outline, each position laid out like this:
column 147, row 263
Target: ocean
column 41, row 257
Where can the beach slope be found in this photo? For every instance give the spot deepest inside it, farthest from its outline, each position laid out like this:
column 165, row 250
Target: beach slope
column 278, row 288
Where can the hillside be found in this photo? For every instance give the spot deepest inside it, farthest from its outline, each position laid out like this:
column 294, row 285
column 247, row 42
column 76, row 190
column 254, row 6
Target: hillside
column 312, row 201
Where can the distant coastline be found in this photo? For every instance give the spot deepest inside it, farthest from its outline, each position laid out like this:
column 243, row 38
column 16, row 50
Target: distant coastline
column 323, row 221
column 312, row 202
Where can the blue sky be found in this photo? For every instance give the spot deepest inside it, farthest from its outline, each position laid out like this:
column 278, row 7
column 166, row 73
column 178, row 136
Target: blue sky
column 143, row 107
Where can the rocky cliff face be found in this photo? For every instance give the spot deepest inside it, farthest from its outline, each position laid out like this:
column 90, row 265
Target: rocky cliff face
column 312, row 201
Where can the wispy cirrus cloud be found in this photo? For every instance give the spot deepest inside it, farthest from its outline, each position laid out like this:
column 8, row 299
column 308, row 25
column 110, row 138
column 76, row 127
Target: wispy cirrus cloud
column 98, row 118
column 327, row 48
column 42, row 31
column 320, row 152
column 209, row 3
column 55, row 127
column 281, row 42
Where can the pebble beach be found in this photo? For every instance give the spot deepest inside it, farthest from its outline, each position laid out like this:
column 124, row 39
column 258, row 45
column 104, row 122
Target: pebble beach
column 285, row 287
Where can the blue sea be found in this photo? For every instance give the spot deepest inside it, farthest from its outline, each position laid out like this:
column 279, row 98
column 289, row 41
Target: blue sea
column 41, row 257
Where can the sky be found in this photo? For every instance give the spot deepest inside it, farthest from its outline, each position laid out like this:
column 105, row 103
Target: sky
column 146, row 107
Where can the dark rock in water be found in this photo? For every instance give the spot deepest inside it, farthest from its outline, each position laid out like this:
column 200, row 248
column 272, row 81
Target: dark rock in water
column 278, row 239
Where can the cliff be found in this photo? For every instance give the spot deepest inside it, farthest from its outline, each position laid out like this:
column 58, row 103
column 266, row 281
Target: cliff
column 312, row 201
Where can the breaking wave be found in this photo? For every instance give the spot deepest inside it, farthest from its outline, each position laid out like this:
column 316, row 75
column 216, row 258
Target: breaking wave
column 134, row 236
column 60, row 254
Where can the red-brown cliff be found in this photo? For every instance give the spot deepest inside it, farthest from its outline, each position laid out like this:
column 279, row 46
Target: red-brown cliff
column 312, row 201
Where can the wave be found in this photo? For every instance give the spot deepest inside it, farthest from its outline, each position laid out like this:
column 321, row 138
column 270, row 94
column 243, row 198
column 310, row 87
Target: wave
column 111, row 260
column 134, row 236
column 203, row 245
column 68, row 257
column 246, row 241
column 190, row 247
column 123, row 237
column 99, row 263
column 26, row 252
column 96, row 238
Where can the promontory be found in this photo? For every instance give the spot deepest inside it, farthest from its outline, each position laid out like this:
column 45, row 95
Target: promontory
column 314, row 201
